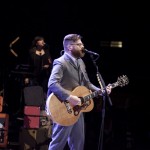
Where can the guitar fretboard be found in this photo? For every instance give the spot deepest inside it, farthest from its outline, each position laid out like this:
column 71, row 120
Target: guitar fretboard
column 96, row 93
column 92, row 95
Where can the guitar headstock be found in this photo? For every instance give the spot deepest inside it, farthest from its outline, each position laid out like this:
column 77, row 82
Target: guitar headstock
column 122, row 80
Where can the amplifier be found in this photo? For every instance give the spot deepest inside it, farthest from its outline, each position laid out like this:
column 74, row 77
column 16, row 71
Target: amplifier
column 4, row 120
column 31, row 122
column 34, row 96
column 32, row 110
column 1, row 103
column 31, row 117
column 34, row 139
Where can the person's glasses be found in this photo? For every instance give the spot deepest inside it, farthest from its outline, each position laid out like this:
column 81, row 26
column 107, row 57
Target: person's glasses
column 78, row 44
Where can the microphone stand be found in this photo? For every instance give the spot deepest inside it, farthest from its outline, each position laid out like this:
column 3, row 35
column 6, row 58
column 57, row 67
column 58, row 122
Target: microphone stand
column 105, row 96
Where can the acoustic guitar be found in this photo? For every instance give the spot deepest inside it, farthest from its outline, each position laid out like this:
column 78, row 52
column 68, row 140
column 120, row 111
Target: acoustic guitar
column 63, row 113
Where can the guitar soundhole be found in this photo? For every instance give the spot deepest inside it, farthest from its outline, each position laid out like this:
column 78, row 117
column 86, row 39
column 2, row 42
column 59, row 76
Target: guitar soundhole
column 78, row 108
column 86, row 104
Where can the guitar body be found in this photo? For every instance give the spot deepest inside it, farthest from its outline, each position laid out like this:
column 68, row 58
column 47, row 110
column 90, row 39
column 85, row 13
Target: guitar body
column 58, row 110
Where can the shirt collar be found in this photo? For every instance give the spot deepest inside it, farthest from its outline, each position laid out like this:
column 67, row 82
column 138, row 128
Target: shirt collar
column 74, row 59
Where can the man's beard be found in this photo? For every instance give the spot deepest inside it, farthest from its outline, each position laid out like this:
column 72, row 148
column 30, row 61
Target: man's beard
column 78, row 54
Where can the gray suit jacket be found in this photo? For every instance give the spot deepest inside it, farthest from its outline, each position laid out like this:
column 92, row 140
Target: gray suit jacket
column 66, row 76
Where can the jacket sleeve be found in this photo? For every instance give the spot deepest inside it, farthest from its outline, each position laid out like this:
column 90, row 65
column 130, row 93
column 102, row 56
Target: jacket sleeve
column 54, row 85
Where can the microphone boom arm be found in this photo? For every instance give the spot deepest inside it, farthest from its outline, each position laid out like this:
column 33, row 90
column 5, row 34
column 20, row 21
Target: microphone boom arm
column 90, row 52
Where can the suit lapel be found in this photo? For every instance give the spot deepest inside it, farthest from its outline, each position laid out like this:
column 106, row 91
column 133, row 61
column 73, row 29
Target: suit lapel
column 69, row 60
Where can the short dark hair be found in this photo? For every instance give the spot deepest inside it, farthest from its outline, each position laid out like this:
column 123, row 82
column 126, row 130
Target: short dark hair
column 71, row 38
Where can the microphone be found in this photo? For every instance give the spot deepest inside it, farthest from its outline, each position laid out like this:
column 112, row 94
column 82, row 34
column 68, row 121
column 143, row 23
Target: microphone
column 90, row 52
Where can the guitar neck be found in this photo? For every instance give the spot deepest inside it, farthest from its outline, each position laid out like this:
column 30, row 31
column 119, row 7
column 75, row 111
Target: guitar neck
column 115, row 84
column 96, row 93
column 92, row 95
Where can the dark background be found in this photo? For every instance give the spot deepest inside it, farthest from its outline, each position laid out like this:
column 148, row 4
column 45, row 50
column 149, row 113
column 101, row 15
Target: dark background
column 127, row 122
